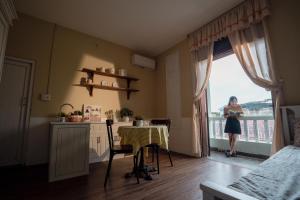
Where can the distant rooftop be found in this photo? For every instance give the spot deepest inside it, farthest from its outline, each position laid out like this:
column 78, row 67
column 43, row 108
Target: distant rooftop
column 255, row 105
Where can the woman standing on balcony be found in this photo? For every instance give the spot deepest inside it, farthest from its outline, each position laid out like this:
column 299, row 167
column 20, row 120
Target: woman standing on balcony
column 232, row 113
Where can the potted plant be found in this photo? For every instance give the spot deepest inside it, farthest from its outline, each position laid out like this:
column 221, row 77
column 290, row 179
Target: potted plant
column 125, row 114
column 139, row 121
column 61, row 117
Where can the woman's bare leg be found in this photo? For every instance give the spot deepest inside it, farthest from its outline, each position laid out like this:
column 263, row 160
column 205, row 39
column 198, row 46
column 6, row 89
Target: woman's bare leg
column 233, row 143
column 230, row 141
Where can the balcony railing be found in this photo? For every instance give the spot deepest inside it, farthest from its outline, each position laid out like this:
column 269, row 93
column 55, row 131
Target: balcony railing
column 254, row 128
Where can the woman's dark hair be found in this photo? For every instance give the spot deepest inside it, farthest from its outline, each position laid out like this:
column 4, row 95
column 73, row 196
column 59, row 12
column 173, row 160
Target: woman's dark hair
column 232, row 98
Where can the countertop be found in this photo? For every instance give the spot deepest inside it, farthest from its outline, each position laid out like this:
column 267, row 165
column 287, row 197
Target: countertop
column 75, row 123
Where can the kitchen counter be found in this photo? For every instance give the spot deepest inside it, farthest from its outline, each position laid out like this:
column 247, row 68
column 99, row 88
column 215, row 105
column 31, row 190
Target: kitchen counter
column 73, row 145
column 73, row 123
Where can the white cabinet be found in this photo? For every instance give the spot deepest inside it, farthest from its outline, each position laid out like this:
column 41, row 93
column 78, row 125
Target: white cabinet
column 69, row 151
column 7, row 15
column 99, row 145
column 74, row 145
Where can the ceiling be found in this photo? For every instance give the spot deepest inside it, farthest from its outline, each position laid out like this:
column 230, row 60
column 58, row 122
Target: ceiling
column 146, row 26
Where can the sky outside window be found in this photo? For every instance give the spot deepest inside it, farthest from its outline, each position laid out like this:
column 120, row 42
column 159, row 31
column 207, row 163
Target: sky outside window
column 229, row 79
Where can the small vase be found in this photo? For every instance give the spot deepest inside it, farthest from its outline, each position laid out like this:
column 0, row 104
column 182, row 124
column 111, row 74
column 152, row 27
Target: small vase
column 125, row 119
column 62, row 119
column 139, row 123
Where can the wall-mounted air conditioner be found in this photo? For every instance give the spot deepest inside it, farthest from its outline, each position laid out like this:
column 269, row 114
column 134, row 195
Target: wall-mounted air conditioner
column 143, row 61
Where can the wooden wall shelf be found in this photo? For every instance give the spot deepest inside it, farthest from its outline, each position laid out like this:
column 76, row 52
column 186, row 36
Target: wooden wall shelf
column 91, row 87
column 92, row 72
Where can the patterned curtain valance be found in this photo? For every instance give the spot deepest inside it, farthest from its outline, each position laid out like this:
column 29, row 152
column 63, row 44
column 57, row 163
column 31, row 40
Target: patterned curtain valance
column 240, row 17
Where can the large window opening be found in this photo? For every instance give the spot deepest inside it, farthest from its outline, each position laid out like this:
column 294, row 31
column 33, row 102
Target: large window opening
column 229, row 79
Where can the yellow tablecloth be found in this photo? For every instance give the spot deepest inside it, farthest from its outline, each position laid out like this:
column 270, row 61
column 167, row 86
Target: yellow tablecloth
column 141, row 136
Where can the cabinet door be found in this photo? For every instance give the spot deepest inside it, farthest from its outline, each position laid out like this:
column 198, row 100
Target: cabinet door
column 115, row 127
column 98, row 143
column 69, row 153
column 3, row 37
column 116, row 136
column 92, row 151
column 104, row 148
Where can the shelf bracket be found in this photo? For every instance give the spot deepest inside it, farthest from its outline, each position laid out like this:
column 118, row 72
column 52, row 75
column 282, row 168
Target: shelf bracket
column 128, row 95
column 90, row 89
column 128, row 83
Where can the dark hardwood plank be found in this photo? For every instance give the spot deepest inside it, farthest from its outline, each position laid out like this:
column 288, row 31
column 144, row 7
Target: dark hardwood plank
column 178, row 182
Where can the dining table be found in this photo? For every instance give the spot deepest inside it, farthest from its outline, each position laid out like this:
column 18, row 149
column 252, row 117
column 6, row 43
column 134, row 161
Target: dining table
column 141, row 136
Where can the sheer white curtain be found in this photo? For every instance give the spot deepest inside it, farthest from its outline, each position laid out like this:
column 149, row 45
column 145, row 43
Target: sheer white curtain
column 201, row 68
column 251, row 47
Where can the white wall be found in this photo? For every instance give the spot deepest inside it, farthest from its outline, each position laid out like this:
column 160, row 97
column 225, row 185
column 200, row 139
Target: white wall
column 37, row 145
column 181, row 127
column 243, row 146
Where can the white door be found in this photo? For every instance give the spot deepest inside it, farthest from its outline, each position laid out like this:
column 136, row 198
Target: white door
column 14, row 102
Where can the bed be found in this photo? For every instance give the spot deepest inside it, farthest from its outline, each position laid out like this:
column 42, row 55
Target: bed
column 276, row 178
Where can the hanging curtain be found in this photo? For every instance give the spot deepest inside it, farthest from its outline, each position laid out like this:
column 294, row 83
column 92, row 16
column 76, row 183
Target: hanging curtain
column 202, row 61
column 255, row 58
column 240, row 17
column 251, row 47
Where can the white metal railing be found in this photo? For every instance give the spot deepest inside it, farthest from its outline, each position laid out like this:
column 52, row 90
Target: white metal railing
column 254, row 128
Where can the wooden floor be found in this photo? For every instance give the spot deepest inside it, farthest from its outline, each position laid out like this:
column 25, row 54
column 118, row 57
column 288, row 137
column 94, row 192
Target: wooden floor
column 178, row 182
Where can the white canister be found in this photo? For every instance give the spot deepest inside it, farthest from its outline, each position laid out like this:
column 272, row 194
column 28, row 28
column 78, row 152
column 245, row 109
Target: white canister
column 100, row 69
column 89, row 81
column 115, row 84
column 104, row 83
column 122, row 72
column 125, row 119
column 111, row 70
column 139, row 123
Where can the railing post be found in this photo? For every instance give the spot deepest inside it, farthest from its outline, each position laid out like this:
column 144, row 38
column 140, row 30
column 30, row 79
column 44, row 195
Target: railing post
column 255, row 129
column 221, row 128
column 266, row 131
column 245, row 129
column 213, row 128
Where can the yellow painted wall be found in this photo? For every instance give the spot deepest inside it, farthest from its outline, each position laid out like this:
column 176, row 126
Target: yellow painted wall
column 185, row 77
column 30, row 38
column 284, row 28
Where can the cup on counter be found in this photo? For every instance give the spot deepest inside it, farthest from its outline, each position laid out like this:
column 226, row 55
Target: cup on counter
column 62, row 119
column 146, row 123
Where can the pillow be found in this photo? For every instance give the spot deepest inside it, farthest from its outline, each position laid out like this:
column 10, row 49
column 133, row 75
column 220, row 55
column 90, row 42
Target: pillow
column 297, row 133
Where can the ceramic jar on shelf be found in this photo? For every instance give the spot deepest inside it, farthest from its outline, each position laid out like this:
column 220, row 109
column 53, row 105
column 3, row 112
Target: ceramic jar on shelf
column 122, row 72
column 100, row 69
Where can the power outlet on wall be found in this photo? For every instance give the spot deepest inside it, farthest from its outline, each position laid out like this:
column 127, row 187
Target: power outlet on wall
column 45, row 97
